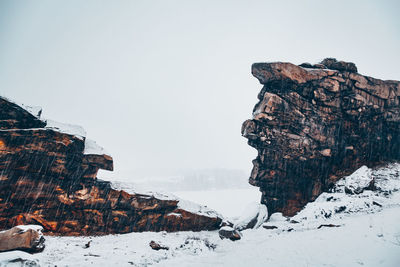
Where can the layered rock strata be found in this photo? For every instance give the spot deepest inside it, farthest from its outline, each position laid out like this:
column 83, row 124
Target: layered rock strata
column 48, row 177
column 316, row 123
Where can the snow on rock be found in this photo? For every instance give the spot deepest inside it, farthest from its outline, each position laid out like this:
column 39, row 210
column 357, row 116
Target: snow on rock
column 92, row 148
column 28, row 238
column 34, row 110
column 277, row 217
column 365, row 236
column 341, row 202
column 254, row 215
column 197, row 209
column 357, row 181
column 34, row 227
column 70, row 129
column 182, row 204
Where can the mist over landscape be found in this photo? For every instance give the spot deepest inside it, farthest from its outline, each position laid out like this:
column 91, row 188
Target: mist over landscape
column 166, row 85
column 199, row 133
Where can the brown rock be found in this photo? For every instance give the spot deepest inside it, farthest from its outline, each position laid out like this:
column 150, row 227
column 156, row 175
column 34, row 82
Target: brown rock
column 312, row 126
column 156, row 246
column 26, row 238
column 332, row 63
column 47, row 179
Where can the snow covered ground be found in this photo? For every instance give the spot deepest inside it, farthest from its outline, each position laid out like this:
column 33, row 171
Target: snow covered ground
column 338, row 229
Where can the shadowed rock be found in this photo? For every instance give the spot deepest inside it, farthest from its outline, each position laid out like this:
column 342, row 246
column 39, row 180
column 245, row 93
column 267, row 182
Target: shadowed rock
column 315, row 124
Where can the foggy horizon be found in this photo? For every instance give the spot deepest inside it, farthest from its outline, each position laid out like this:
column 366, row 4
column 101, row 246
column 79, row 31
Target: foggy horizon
column 166, row 86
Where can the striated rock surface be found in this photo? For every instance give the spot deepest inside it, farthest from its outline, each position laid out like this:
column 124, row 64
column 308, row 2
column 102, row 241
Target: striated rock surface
column 48, row 177
column 316, row 123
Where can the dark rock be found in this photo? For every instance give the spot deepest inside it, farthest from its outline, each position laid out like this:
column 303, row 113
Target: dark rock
column 306, row 65
column 376, row 204
column 270, row 227
column 229, row 233
column 328, row 225
column 12, row 116
column 87, row 245
column 313, row 126
column 340, row 209
column 27, row 238
column 47, row 179
column 332, row 63
column 156, row 246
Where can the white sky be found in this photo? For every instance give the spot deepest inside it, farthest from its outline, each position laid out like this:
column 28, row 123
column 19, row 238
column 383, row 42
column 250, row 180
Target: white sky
column 167, row 84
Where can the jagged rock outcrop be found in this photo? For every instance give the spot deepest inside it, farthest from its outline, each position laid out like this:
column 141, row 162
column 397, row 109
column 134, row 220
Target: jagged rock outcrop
column 316, row 123
column 48, row 177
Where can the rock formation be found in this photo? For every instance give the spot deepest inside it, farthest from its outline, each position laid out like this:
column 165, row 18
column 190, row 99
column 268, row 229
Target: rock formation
column 27, row 238
column 314, row 124
column 48, row 177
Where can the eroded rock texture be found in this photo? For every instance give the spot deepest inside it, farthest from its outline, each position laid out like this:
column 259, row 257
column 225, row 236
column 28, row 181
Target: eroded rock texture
column 316, row 123
column 47, row 178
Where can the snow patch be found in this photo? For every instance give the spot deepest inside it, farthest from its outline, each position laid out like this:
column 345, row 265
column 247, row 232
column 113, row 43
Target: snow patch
column 70, row 129
column 25, row 228
column 92, row 148
column 198, row 209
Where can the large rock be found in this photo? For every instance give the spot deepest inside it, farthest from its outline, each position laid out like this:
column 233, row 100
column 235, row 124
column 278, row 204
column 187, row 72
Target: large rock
column 27, row 238
column 315, row 124
column 254, row 215
column 48, row 177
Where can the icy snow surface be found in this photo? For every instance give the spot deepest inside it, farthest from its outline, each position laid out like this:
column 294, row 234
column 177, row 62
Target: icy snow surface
column 70, row 129
column 338, row 229
column 92, row 148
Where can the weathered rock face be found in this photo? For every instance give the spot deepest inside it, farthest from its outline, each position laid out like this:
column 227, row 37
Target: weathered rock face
column 27, row 238
column 315, row 124
column 48, row 177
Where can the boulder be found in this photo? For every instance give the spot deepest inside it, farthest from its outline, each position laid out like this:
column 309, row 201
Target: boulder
column 314, row 125
column 27, row 238
column 255, row 214
column 48, row 176
column 359, row 181
column 227, row 232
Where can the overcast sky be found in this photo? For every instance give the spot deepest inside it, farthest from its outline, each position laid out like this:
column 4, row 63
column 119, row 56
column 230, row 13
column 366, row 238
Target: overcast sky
column 167, row 84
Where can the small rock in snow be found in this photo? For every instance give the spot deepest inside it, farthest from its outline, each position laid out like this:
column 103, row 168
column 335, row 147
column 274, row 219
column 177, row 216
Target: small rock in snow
column 229, row 233
column 359, row 181
column 157, row 246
